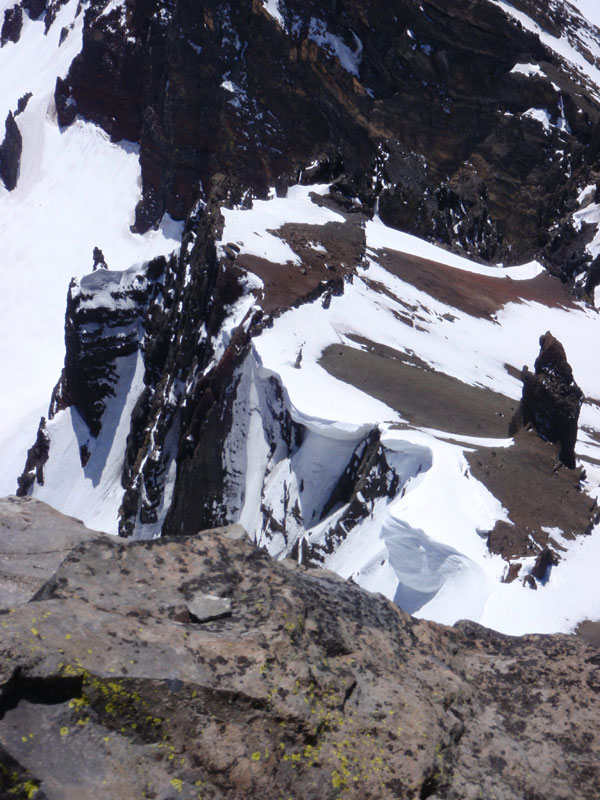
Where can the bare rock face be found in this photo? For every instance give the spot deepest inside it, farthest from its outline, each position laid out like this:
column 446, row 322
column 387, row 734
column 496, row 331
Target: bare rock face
column 10, row 153
column 551, row 399
column 37, row 455
column 289, row 682
column 424, row 113
column 12, row 24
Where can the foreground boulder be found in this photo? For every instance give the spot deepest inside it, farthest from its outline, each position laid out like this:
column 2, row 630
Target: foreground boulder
column 551, row 399
column 34, row 539
column 293, row 683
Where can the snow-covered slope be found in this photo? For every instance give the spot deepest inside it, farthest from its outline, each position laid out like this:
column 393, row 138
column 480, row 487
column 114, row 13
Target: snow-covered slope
column 423, row 546
column 340, row 387
column 76, row 191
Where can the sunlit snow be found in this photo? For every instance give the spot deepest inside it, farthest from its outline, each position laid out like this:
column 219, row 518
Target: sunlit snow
column 76, row 190
column 424, row 549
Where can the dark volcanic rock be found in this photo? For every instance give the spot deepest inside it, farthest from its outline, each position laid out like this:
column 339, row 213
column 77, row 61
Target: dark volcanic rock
column 10, row 153
column 37, row 455
column 429, row 118
column 11, row 27
column 102, row 326
column 551, row 399
column 543, row 562
column 35, row 8
column 309, row 688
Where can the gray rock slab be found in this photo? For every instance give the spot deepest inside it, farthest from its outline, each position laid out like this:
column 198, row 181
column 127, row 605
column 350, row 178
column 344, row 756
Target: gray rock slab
column 34, row 539
column 309, row 687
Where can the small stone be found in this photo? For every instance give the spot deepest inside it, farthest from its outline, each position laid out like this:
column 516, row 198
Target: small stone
column 206, row 607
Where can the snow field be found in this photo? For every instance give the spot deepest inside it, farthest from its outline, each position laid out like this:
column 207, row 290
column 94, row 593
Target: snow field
column 50, row 224
column 425, row 549
column 93, row 492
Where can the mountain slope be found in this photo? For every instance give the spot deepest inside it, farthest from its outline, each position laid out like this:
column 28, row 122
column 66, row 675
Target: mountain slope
column 335, row 361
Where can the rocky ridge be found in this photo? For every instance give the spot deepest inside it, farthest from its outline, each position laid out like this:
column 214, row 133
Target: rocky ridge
column 295, row 682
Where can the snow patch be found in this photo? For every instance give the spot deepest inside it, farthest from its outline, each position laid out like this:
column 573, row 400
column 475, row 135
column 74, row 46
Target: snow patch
column 528, row 69
column 252, row 230
column 334, row 45
column 272, row 8
column 92, row 493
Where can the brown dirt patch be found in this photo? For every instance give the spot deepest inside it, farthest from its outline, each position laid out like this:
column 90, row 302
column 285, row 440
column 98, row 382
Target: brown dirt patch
column 424, row 397
column 536, row 492
column 341, row 248
column 478, row 295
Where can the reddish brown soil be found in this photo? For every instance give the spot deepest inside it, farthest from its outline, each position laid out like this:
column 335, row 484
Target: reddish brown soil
column 478, row 295
column 287, row 284
column 525, row 478
column 537, row 493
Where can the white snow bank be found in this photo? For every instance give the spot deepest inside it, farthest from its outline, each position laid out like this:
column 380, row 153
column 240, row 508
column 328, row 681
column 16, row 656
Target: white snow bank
column 380, row 236
column 530, row 70
column 272, row 8
column 250, row 229
column 426, row 549
column 92, row 493
column 540, row 115
column 49, row 226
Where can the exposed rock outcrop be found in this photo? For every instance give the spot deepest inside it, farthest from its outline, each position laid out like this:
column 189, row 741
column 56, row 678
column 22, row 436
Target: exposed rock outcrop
column 34, row 539
column 37, row 455
column 417, row 107
column 102, row 325
column 12, row 24
column 10, row 153
column 304, row 686
column 551, row 399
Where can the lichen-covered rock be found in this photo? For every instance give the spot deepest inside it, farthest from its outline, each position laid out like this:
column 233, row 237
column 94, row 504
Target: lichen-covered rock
column 309, row 688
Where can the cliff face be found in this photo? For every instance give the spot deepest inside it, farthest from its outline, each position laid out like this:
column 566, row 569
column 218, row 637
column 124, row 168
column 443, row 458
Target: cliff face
column 420, row 105
column 201, row 667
